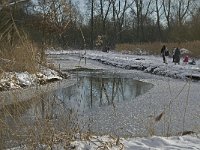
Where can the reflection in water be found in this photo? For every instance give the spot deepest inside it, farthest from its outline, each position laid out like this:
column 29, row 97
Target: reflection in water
column 90, row 92
column 95, row 92
column 63, row 103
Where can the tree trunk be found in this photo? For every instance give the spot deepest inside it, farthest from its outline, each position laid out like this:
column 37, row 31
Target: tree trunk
column 92, row 26
column 158, row 20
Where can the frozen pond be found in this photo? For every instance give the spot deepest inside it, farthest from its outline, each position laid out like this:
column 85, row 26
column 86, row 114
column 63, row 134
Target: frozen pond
column 91, row 93
column 100, row 91
column 111, row 103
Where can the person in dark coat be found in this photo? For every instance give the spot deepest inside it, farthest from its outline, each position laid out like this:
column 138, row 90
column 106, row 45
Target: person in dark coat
column 177, row 56
column 164, row 51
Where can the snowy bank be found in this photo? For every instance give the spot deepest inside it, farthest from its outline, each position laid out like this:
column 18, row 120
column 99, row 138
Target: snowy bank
column 15, row 80
column 147, row 63
column 155, row 142
column 114, row 143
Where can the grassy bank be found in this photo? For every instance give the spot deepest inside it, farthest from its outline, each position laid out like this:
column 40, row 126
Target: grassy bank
column 154, row 48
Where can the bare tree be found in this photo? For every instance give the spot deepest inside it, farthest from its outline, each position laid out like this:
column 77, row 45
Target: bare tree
column 141, row 10
column 183, row 9
column 104, row 13
column 92, row 25
column 167, row 11
column 158, row 15
column 119, row 11
column 57, row 17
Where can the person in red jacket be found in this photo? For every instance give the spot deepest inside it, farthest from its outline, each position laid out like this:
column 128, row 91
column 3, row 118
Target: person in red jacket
column 186, row 59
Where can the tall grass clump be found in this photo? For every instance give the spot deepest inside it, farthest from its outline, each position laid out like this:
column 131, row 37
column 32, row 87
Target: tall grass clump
column 17, row 51
column 21, row 57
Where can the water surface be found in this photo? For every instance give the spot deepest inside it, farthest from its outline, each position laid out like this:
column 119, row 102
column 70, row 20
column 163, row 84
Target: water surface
column 90, row 94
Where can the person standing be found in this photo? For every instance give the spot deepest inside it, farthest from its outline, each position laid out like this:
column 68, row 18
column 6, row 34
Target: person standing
column 177, row 56
column 173, row 52
column 164, row 52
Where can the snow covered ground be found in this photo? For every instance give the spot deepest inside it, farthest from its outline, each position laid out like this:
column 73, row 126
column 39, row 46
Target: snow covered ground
column 149, row 64
column 113, row 143
column 17, row 80
column 151, row 143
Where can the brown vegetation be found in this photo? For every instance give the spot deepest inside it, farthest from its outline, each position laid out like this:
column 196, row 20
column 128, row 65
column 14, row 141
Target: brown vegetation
column 40, row 129
column 21, row 57
column 155, row 47
column 17, row 51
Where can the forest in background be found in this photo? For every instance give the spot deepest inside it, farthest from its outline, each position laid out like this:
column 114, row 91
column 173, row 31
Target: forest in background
column 96, row 23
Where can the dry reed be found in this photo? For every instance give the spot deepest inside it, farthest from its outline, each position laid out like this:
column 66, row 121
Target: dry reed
column 42, row 130
column 154, row 48
column 23, row 57
column 17, row 52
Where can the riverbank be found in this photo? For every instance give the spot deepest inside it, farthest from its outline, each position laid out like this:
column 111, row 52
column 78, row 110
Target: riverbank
column 169, row 96
column 147, row 63
column 170, row 108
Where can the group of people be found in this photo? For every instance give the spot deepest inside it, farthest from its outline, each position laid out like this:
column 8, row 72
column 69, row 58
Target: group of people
column 176, row 56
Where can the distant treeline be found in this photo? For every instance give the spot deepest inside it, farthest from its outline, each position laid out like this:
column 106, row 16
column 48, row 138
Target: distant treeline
column 64, row 23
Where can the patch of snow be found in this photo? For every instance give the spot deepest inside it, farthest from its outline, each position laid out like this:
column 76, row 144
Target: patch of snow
column 185, row 51
column 155, row 142
column 25, row 78
column 49, row 74
column 15, row 80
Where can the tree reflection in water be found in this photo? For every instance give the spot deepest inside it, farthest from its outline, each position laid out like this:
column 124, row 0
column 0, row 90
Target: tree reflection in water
column 60, row 109
column 90, row 92
column 99, row 91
